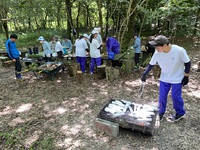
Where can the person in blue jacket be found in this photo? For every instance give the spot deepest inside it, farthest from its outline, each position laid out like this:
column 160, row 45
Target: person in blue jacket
column 111, row 44
column 14, row 54
column 137, row 48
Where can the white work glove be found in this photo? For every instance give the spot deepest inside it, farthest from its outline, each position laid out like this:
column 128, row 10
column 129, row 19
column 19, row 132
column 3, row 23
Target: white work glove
column 48, row 55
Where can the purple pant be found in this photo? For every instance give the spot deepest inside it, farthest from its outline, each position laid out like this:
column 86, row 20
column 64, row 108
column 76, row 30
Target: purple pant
column 81, row 61
column 93, row 61
column 178, row 103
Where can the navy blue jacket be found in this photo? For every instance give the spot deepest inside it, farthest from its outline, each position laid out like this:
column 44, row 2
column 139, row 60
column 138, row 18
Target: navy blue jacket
column 11, row 49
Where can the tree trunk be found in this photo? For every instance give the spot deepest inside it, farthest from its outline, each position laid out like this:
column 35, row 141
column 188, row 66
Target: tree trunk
column 99, row 4
column 70, row 25
column 196, row 23
column 58, row 13
column 5, row 26
column 77, row 20
column 131, row 22
column 29, row 23
column 87, row 16
column 107, row 15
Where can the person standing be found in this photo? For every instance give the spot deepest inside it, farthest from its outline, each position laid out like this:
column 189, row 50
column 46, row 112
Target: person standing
column 111, row 44
column 98, row 36
column 95, row 48
column 137, row 48
column 68, row 44
column 175, row 67
column 81, row 48
column 52, row 44
column 46, row 48
column 58, row 47
column 14, row 54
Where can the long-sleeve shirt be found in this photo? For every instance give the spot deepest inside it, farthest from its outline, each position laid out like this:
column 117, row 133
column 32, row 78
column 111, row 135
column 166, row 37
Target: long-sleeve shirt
column 58, row 47
column 11, row 49
column 112, row 45
column 46, row 47
column 137, row 45
column 67, row 43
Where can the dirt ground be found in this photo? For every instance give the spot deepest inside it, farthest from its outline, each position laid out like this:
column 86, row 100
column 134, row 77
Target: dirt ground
column 60, row 114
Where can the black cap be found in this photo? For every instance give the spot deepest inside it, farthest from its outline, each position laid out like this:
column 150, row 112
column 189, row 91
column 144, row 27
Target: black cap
column 159, row 40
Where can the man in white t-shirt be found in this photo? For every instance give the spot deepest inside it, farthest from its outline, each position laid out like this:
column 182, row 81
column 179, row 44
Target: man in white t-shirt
column 175, row 67
column 81, row 48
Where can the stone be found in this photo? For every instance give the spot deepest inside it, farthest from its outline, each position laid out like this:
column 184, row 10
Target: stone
column 110, row 128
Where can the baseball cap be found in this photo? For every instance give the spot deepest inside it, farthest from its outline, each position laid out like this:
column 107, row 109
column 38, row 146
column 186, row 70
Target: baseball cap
column 159, row 40
column 95, row 32
column 41, row 38
column 85, row 35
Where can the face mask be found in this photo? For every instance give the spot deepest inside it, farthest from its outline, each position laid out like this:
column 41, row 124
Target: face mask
column 41, row 42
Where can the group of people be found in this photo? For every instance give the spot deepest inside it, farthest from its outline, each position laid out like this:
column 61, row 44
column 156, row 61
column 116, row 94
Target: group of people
column 55, row 47
column 95, row 42
column 173, row 60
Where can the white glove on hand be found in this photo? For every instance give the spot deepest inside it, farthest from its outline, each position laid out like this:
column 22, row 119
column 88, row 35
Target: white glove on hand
column 48, row 55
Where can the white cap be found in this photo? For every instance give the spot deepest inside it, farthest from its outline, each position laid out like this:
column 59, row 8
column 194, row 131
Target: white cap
column 95, row 32
column 97, row 29
column 41, row 38
column 85, row 35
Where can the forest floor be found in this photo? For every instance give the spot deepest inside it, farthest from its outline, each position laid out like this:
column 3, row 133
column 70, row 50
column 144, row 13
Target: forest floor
column 60, row 114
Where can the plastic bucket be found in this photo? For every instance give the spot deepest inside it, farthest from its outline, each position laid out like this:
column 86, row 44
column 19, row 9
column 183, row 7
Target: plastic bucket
column 111, row 55
column 65, row 51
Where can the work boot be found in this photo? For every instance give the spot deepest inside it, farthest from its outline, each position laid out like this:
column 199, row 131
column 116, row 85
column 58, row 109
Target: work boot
column 18, row 75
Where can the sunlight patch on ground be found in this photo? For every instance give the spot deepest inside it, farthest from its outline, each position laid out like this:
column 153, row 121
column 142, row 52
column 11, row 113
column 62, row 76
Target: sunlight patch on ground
column 30, row 140
column 8, row 110
column 67, row 142
column 89, row 132
column 90, row 99
column 58, row 81
column 24, row 107
column 195, row 66
column 16, row 121
column 59, row 110
column 71, row 130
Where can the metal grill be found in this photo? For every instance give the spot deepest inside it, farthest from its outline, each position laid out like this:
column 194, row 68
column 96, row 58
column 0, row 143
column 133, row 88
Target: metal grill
column 124, row 121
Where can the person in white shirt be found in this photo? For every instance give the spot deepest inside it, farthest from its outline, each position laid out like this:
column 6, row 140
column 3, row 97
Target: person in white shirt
column 98, row 36
column 95, row 48
column 175, row 67
column 81, row 48
column 46, row 48
column 58, row 47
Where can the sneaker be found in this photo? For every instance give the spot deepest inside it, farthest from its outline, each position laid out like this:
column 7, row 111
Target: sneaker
column 161, row 117
column 91, row 72
column 176, row 118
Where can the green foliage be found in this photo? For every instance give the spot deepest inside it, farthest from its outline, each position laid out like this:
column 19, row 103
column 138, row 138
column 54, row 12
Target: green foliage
column 30, row 38
column 170, row 17
column 14, row 138
column 46, row 143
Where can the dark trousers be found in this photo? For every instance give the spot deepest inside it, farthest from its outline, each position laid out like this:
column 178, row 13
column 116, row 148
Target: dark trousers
column 60, row 53
column 137, row 55
column 18, row 68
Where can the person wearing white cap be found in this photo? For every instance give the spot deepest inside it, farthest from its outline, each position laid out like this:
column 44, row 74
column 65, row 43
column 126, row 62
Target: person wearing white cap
column 81, row 48
column 46, row 48
column 98, row 37
column 95, row 48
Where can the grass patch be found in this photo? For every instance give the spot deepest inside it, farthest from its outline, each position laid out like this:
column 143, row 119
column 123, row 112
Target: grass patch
column 12, row 139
